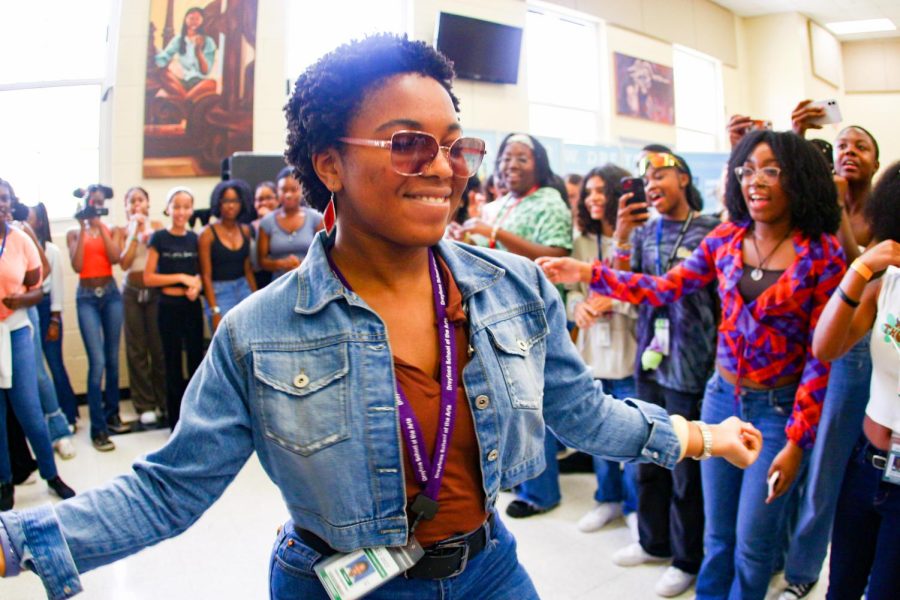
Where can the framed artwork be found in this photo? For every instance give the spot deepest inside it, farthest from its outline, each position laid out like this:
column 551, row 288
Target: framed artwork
column 644, row 90
column 198, row 102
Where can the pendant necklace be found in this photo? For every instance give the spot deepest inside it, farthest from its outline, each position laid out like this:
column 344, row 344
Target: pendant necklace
column 757, row 273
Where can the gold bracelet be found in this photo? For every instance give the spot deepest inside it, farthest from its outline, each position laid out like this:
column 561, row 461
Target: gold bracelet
column 862, row 268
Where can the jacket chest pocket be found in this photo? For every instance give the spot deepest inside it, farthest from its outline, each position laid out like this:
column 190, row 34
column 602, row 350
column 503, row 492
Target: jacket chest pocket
column 520, row 349
column 302, row 396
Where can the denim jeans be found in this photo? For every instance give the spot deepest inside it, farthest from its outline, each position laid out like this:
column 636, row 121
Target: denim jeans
column 53, row 353
column 612, row 486
column 839, row 427
column 228, row 295
column 670, row 503
column 23, row 396
column 495, row 574
column 100, row 322
column 743, row 534
column 57, row 424
column 143, row 349
column 865, row 546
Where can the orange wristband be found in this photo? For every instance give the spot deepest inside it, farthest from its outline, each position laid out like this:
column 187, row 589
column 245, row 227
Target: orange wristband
column 862, row 268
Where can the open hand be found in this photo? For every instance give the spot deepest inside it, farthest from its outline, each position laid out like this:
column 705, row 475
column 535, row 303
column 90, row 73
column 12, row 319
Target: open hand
column 565, row 269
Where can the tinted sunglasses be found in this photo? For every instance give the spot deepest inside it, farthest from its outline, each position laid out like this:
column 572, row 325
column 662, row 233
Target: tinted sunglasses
column 658, row 160
column 413, row 151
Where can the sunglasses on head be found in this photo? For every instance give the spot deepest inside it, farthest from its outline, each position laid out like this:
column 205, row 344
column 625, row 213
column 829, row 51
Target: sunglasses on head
column 413, row 151
column 658, row 160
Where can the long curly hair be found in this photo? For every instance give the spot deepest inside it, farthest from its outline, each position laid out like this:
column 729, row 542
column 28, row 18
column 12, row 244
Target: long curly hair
column 805, row 178
column 883, row 206
column 612, row 188
column 328, row 94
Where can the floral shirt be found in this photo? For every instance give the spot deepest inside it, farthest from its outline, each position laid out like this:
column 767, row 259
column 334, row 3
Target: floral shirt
column 542, row 217
column 767, row 339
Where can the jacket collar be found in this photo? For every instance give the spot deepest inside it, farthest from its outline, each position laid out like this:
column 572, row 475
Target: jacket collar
column 317, row 285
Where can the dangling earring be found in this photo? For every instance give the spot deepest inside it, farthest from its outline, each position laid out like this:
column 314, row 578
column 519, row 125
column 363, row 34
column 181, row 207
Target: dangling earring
column 329, row 216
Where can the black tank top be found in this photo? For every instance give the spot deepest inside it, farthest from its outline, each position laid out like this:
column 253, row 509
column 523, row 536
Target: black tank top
column 228, row 264
column 751, row 290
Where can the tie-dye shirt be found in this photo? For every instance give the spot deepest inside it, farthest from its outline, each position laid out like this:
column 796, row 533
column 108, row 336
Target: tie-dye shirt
column 767, row 339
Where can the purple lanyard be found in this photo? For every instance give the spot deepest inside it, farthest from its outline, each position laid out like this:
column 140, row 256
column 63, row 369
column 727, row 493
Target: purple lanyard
column 429, row 471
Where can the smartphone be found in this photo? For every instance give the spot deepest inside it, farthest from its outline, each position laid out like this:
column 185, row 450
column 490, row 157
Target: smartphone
column 635, row 185
column 832, row 112
column 760, row 124
column 826, row 149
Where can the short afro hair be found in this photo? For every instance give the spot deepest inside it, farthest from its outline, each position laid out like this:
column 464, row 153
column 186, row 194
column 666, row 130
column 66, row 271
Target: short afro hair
column 241, row 188
column 883, row 206
column 328, row 94
column 805, row 177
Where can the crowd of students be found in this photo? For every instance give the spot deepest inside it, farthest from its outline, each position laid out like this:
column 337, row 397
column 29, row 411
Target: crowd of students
column 742, row 314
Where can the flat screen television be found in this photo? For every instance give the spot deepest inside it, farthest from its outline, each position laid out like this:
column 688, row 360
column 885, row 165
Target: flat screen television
column 480, row 50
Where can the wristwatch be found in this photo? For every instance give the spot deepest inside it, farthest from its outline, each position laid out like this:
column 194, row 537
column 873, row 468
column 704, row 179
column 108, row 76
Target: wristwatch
column 215, row 310
column 706, row 434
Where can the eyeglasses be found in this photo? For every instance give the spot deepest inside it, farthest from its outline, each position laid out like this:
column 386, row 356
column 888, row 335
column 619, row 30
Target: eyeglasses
column 413, row 151
column 768, row 175
column 658, row 160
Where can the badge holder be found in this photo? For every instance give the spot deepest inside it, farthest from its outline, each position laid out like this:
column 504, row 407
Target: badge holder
column 892, row 466
column 355, row 574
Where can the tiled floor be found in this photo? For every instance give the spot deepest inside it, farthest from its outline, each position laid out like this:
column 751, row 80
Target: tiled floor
column 225, row 554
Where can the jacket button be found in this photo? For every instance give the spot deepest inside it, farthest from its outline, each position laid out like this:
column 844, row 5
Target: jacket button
column 482, row 402
column 522, row 344
column 301, row 380
column 493, row 455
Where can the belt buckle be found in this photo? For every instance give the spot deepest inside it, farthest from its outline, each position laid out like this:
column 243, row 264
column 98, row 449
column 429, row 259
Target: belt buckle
column 463, row 547
column 99, row 292
column 879, row 461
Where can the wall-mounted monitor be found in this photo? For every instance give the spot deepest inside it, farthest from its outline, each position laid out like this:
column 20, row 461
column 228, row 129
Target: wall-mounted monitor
column 480, row 50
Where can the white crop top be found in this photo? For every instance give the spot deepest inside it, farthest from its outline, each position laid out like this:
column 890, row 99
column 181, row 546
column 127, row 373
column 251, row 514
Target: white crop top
column 884, row 394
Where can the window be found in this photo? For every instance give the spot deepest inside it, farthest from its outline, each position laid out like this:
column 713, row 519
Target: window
column 50, row 98
column 564, row 73
column 699, row 107
column 314, row 28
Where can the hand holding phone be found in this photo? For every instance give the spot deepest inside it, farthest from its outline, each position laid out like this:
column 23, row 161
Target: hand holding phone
column 773, row 479
column 635, row 186
column 831, row 112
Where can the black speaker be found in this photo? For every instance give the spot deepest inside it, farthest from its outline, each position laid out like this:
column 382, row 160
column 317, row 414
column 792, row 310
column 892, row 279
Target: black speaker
column 252, row 167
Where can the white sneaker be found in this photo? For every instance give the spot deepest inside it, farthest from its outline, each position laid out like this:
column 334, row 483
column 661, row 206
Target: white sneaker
column 673, row 582
column 633, row 555
column 631, row 519
column 149, row 418
column 65, row 448
column 599, row 516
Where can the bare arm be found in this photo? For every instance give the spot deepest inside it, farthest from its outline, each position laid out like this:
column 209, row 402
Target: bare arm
column 248, row 266
column 75, row 242
column 154, row 279
column 45, row 264
column 205, row 252
column 845, row 231
column 112, row 244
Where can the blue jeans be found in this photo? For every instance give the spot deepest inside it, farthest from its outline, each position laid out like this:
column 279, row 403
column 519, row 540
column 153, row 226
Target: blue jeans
column 53, row 353
column 100, row 320
column 839, row 428
column 495, row 574
column 228, row 295
column 23, row 395
column 57, row 424
column 743, row 534
column 612, row 486
column 865, row 547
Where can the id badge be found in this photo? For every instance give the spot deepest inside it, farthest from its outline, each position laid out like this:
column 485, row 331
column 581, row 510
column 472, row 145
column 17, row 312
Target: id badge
column 892, row 467
column 604, row 333
column 355, row 574
column 661, row 333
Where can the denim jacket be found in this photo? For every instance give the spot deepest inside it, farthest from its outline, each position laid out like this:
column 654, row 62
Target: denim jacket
column 302, row 373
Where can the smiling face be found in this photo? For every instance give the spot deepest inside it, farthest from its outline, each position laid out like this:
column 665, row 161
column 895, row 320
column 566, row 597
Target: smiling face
column 180, row 209
column 595, row 200
column 666, row 189
column 193, row 21
column 266, row 200
column 517, row 168
column 373, row 200
column 854, row 156
column 767, row 201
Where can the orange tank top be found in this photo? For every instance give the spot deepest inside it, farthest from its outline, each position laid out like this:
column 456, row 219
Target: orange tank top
column 95, row 263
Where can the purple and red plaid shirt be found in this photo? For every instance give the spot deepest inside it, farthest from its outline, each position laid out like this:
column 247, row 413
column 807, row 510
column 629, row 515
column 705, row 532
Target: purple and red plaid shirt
column 766, row 340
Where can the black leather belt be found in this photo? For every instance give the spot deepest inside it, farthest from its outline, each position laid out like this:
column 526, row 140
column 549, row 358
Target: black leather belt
column 447, row 558
column 875, row 457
